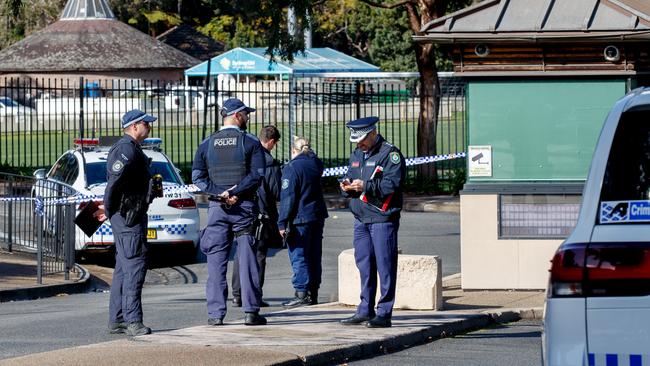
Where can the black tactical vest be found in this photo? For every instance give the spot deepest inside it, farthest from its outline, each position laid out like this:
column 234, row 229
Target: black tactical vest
column 227, row 157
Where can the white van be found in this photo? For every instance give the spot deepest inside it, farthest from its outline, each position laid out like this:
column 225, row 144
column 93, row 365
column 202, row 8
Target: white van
column 598, row 306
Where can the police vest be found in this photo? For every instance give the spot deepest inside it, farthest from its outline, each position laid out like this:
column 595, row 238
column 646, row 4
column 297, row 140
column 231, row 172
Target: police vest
column 227, row 157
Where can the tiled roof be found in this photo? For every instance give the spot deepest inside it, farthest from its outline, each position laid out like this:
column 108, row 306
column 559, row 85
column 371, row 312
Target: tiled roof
column 192, row 42
column 91, row 45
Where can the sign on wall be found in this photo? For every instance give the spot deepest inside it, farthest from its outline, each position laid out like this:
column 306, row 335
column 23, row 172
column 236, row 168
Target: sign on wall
column 479, row 160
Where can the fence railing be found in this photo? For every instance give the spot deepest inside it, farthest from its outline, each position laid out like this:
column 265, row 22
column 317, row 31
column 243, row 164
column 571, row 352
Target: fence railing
column 49, row 234
column 48, row 114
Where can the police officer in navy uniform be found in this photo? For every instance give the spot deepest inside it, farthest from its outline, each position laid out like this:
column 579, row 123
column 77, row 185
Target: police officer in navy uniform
column 229, row 166
column 268, row 195
column 126, row 201
column 303, row 212
column 374, row 180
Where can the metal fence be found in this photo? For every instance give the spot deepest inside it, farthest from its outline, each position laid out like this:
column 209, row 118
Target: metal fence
column 49, row 235
column 44, row 116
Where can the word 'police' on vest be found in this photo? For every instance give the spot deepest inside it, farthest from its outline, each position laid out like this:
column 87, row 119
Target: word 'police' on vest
column 227, row 141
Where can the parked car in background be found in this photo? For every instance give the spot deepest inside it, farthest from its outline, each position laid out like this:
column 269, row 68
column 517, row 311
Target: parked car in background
column 10, row 110
column 173, row 219
column 598, row 306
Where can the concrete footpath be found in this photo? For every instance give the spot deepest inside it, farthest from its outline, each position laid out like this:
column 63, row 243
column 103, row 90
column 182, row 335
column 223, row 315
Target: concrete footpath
column 307, row 335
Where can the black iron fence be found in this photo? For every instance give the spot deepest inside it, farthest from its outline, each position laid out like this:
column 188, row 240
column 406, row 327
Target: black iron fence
column 48, row 231
column 39, row 119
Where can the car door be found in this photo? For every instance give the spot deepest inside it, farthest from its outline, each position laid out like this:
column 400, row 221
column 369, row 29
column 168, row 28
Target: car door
column 617, row 259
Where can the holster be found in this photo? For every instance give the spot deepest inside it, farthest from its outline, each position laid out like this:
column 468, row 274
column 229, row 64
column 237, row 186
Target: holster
column 248, row 230
column 132, row 208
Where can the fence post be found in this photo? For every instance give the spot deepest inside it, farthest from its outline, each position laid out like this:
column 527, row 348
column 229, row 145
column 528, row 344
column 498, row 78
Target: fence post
column 81, row 108
column 39, row 249
column 357, row 96
column 292, row 110
column 10, row 216
column 69, row 245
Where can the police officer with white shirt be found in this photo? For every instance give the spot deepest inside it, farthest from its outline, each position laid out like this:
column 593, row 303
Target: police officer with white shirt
column 229, row 166
column 374, row 180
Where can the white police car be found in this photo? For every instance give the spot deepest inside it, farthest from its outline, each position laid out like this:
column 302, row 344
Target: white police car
column 598, row 306
column 173, row 219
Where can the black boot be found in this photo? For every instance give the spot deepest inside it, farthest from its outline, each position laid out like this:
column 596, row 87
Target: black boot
column 313, row 296
column 302, row 298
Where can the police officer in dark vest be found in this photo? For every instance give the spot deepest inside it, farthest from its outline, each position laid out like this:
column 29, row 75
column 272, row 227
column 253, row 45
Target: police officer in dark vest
column 268, row 195
column 126, row 201
column 229, row 166
column 374, row 180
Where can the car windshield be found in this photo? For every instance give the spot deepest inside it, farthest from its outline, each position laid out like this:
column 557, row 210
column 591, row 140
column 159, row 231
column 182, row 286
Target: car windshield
column 8, row 102
column 96, row 172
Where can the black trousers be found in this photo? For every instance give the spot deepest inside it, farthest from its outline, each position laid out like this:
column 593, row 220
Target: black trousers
column 262, row 250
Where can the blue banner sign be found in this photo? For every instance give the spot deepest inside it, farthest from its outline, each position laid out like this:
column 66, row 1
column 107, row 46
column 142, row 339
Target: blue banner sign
column 612, row 212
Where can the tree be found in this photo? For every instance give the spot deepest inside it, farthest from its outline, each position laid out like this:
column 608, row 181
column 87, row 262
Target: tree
column 419, row 13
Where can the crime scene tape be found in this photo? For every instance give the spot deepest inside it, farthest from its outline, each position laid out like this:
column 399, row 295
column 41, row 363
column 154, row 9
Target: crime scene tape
column 40, row 202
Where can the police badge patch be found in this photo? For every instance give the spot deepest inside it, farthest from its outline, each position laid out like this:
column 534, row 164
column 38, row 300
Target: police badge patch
column 285, row 183
column 117, row 166
column 394, row 158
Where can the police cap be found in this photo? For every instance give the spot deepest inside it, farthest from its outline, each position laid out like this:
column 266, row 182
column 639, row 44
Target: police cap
column 234, row 105
column 135, row 116
column 360, row 128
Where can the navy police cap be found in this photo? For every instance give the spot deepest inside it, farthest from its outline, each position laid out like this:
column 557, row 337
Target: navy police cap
column 135, row 116
column 359, row 128
column 234, row 105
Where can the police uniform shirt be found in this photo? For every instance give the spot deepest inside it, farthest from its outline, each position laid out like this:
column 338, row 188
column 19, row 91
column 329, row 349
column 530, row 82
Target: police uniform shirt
column 385, row 186
column 128, row 173
column 255, row 162
column 269, row 192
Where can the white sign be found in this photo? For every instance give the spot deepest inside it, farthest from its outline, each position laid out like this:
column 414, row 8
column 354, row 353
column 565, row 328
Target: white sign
column 479, row 161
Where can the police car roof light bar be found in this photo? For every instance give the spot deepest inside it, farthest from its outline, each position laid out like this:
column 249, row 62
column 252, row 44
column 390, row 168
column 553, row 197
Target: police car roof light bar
column 86, row 142
column 152, row 142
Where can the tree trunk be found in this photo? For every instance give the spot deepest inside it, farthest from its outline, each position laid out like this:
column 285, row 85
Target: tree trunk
column 429, row 106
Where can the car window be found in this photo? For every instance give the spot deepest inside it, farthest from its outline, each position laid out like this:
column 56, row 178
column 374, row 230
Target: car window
column 72, row 169
column 627, row 175
column 96, row 172
column 60, row 168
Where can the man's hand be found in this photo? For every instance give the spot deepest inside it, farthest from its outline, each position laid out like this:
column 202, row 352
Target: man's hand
column 282, row 232
column 356, row 185
column 345, row 185
column 100, row 214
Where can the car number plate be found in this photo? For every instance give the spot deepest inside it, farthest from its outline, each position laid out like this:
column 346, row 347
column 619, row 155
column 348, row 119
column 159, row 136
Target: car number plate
column 152, row 234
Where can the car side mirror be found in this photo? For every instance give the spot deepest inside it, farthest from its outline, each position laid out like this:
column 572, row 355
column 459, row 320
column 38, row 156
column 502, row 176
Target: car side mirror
column 40, row 174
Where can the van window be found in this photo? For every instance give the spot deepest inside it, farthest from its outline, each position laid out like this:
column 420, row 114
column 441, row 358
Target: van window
column 627, row 175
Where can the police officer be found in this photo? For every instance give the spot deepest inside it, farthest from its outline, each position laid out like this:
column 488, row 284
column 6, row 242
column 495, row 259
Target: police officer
column 229, row 165
column 268, row 194
column 126, row 201
column 375, row 181
column 303, row 212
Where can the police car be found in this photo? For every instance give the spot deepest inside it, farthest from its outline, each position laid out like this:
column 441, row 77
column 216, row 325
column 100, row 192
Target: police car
column 173, row 219
column 598, row 306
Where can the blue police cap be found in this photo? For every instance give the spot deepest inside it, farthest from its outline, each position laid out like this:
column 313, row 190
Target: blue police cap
column 359, row 128
column 234, row 105
column 134, row 116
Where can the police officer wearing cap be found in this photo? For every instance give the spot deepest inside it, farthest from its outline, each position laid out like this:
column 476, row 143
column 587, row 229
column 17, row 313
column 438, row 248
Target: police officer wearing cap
column 302, row 215
column 126, row 201
column 375, row 181
column 268, row 195
column 229, row 166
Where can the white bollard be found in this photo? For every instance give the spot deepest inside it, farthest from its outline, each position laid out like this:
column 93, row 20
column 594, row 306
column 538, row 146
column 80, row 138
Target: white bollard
column 419, row 281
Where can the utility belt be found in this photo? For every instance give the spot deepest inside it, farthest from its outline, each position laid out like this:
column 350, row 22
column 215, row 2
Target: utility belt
column 133, row 208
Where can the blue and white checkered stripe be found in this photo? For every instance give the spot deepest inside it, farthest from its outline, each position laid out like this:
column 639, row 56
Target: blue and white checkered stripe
column 40, row 203
column 613, row 359
column 174, row 229
column 341, row 170
column 104, row 229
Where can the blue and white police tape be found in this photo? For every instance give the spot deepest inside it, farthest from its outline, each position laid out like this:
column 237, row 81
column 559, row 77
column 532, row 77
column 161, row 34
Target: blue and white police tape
column 40, row 202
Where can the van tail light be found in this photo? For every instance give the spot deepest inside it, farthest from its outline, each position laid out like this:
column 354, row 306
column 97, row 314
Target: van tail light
column 567, row 271
column 601, row 270
column 182, row 203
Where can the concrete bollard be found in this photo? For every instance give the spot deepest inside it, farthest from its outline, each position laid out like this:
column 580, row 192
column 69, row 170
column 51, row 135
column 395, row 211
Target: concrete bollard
column 419, row 281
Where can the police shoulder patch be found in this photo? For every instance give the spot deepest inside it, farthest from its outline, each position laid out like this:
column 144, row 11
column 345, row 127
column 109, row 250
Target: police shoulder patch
column 117, row 166
column 285, row 183
column 394, row 157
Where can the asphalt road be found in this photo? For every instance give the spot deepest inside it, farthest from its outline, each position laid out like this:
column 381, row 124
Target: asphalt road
column 513, row 344
column 174, row 297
